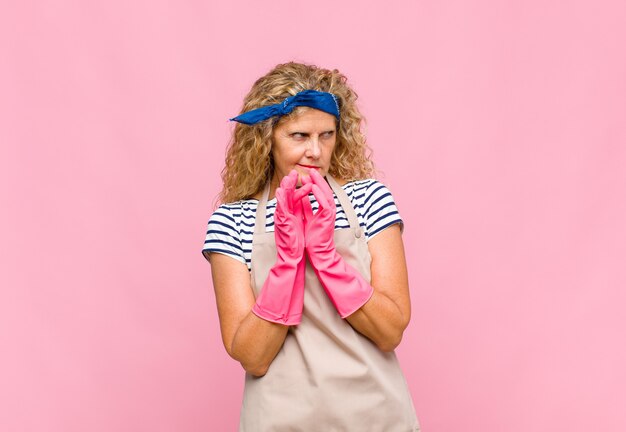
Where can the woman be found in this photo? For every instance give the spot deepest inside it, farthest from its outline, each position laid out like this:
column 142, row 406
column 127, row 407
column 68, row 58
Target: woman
column 308, row 263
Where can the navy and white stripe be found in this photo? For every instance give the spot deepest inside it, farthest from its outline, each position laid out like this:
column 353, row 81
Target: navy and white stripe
column 231, row 227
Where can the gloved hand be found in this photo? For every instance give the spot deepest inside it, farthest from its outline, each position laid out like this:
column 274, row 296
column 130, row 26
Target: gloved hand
column 282, row 296
column 344, row 285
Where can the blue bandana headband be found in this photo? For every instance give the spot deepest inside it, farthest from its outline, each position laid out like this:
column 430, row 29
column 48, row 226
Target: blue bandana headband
column 322, row 101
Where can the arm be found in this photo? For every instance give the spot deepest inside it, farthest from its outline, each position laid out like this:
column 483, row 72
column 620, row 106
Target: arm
column 252, row 341
column 385, row 316
column 254, row 330
column 379, row 310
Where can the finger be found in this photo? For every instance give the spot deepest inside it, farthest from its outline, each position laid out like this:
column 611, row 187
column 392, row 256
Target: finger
column 310, row 178
column 293, row 176
column 298, row 209
column 320, row 197
column 306, row 208
column 303, row 191
column 289, row 181
column 316, row 177
column 284, row 198
column 306, row 179
column 288, row 184
column 321, row 182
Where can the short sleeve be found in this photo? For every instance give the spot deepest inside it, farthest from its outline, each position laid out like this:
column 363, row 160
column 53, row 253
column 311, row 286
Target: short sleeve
column 223, row 235
column 380, row 210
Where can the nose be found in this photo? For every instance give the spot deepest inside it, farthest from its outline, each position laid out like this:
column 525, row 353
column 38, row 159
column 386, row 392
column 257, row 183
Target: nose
column 313, row 150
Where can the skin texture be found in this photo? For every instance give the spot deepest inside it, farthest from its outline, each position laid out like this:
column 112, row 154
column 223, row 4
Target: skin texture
column 304, row 141
column 308, row 140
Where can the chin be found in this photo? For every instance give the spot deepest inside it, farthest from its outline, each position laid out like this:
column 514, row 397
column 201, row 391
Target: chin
column 301, row 172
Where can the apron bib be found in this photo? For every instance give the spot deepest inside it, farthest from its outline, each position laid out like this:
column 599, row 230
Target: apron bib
column 327, row 376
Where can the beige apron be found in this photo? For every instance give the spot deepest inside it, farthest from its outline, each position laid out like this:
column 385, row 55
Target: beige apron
column 327, row 376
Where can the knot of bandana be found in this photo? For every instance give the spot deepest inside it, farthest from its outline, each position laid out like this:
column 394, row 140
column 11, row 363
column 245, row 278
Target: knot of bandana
column 322, row 101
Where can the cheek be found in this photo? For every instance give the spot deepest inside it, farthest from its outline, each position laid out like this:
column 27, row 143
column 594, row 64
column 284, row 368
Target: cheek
column 329, row 152
column 286, row 158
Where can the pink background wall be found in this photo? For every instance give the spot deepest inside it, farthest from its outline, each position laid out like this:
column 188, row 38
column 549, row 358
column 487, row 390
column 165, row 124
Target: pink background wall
column 499, row 126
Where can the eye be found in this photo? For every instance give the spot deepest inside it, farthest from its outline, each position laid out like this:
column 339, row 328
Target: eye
column 328, row 134
column 297, row 135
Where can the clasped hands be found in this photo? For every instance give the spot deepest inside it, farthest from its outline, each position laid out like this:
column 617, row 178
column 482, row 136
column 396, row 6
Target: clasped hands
column 298, row 230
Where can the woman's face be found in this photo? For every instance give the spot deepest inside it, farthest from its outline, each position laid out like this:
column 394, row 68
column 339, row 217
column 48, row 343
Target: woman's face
column 303, row 142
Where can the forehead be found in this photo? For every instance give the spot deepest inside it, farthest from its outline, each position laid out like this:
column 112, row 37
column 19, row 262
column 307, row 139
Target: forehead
column 309, row 118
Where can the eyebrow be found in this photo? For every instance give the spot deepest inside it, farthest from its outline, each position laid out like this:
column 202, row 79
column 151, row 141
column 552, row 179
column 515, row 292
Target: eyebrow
column 308, row 134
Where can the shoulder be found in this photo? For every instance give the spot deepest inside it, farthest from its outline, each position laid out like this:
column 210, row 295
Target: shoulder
column 374, row 201
column 234, row 213
column 367, row 190
column 228, row 229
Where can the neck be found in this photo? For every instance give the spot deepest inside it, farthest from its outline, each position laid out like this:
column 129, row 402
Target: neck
column 274, row 182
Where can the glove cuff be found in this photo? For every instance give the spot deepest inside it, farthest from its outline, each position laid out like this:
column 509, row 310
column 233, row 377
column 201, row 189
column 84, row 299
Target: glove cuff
column 344, row 285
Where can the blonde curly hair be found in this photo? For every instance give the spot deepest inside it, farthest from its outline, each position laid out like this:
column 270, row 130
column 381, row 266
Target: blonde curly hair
column 249, row 163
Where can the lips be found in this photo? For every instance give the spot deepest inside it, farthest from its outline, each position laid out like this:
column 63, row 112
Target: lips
column 308, row 166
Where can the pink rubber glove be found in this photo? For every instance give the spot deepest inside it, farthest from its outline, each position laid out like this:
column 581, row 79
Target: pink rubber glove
column 344, row 285
column 282, row 297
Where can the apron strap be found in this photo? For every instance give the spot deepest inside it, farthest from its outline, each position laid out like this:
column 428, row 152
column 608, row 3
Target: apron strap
column 259, row 225
column 342, row 196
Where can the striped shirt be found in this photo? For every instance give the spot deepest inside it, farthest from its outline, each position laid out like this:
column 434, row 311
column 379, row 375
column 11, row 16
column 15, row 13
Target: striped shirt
column 231, row 226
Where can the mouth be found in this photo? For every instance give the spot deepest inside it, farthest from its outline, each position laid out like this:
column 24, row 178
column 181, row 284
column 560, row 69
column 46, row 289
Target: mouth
column 308, row 166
